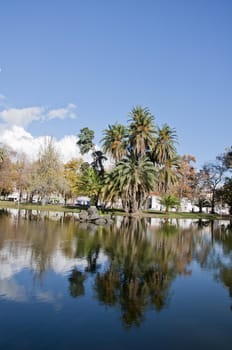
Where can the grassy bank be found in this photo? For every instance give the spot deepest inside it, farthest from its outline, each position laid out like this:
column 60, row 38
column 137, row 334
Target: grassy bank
column 145, row 213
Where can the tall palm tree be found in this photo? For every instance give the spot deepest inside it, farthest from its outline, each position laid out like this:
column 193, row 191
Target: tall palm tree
column 98, row 160
column 142, row 131
column 169, row 173
column 131, row 180
column 164, row 147
column 114, row 141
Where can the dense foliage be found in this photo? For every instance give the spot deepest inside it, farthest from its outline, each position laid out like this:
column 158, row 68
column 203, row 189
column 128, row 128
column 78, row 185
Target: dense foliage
column 142, row 159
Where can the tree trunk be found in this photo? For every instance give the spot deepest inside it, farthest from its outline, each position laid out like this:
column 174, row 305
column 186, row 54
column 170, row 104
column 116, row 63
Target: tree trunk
column 230, row 210
column 213, row 203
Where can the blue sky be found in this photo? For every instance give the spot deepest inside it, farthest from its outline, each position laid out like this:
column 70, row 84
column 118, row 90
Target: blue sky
column 96, row 59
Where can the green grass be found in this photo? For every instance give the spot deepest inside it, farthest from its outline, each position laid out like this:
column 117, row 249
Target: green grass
column 180, row 215
column 47, row 207
column 148, row 213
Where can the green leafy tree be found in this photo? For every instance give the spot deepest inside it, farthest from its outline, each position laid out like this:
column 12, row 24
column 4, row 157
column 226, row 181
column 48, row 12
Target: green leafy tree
column 169, row 173
column 72, row 173
column 141, row 132
column 86, row 144
column 225, row 193
column 132, row 180
column 114, row 141
column 90, row 184
column 85, row 140
column 132, row 148
column 169, row 201
column 226, row 158
column 164, row 148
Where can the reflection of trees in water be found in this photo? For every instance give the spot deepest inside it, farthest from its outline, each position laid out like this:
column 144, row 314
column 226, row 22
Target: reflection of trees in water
column 142, row 261
column 37, row 239
column 208, row 252
column 141, row 265
column 76, row 283
column 223, row 236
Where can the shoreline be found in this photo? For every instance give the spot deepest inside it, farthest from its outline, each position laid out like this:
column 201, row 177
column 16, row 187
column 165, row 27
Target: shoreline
column 143, row 214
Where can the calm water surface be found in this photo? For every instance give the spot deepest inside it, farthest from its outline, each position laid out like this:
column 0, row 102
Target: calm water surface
column 136, row 284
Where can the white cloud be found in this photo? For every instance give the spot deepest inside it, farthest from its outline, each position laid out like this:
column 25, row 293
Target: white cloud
column 21, row 117
column 62, row 113
column 24, row 116
column 22, row 141
column 14, row 121
column 2, row 97
column 2, row 101
column 13, row 132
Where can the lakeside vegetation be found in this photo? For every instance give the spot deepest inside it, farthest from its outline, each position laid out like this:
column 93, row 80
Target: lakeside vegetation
column 144, row 213
column 142, row 160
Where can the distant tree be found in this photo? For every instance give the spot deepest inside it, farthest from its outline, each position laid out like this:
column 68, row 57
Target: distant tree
column 21, row 170
column 90, row 184
column 169, row 201
column 86, row 144
column 6, row 171
column 85, row 140
column 2, row 153
column 187, row 176
column 200, row 191
column 72, row 174
column 225, row 193
column 48, row 176
column 228, row 158
column 212, row 176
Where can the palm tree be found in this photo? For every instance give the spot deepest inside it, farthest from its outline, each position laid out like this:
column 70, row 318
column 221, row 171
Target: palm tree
column 131, row 180
column 98, row 160
column 169, row 173
column 141, row 131
column 164, row 148
column 169, row 201
column 114, row 141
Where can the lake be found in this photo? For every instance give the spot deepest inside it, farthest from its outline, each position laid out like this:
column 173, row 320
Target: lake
column 134, row 284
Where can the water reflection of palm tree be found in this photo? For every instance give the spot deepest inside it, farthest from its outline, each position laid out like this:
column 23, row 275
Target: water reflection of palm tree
column 138, row 278
column 76, row 283
column 141, row 265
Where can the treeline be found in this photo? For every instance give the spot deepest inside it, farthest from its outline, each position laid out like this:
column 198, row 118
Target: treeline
column 141, row 159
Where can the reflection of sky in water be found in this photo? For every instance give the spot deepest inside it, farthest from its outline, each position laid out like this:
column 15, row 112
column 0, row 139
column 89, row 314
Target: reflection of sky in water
column 18, row 270
column 9, row 289
column 49, row 298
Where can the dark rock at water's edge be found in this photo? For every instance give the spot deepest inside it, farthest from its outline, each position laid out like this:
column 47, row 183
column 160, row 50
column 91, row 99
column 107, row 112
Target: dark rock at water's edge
column 91, row 215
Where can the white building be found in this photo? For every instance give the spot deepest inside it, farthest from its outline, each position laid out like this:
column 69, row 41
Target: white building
column 185, row 206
